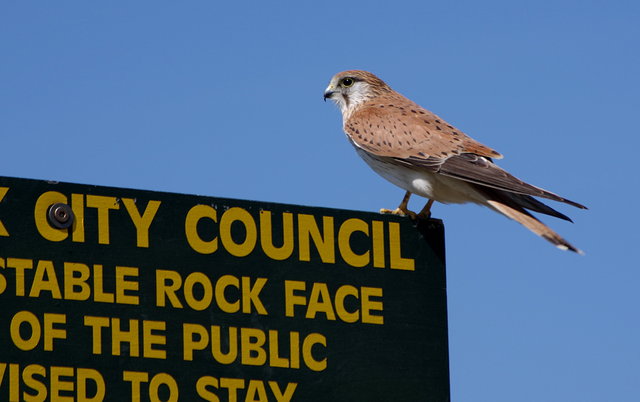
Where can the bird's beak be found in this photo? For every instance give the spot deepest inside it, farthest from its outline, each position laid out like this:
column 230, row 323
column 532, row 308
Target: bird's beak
column 328, row 93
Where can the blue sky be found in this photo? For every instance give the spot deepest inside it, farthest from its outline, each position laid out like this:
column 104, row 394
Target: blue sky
column 225, row 99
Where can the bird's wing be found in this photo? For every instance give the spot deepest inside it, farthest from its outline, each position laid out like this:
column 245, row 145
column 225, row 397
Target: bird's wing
column 409, row 134
column 480, row 170
column 398, row 128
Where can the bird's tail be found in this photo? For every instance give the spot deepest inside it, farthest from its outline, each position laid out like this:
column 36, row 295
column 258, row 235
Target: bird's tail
column 519, row 214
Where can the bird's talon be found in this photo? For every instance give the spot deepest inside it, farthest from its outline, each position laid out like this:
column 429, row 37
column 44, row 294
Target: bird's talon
column 425, row 216
column 399, row 211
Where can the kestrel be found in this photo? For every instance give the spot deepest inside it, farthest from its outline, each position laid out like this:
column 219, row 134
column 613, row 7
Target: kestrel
column 421, row 153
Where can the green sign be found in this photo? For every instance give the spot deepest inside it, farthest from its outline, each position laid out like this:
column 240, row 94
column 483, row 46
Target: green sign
column 118, row 294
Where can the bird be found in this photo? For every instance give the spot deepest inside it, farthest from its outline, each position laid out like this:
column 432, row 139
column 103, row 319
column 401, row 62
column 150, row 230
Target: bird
column 421, row 153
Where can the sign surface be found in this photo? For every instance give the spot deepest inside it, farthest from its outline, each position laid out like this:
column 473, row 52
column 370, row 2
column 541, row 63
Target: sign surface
column 159, row 296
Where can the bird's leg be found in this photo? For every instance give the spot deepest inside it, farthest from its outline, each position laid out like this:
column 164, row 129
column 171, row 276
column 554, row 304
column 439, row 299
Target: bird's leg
column 425, row 213
column 402, row 208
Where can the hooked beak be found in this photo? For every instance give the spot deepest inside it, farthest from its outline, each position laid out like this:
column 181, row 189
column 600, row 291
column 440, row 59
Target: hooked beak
column 328, row 93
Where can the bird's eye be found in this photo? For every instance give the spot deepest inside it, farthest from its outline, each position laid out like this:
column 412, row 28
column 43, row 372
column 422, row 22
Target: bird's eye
column 347, row 82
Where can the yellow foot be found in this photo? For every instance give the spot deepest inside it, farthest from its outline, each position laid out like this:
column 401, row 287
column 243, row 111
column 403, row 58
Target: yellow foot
column 400, row 211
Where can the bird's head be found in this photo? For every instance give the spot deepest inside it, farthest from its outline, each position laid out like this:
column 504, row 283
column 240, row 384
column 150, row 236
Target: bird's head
column 349, row 89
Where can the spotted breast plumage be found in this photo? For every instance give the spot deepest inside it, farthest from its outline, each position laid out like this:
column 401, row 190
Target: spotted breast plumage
column 421, row 153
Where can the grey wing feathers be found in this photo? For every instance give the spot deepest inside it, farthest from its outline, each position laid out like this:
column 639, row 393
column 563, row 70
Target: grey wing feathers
column 530, row 203
column 483, row 171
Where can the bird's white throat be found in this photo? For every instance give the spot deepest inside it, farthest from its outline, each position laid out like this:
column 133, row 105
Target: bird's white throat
column 349, row 102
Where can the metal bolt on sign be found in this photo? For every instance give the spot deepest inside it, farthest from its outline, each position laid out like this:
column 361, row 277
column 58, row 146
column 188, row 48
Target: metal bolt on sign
column 60, row 215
